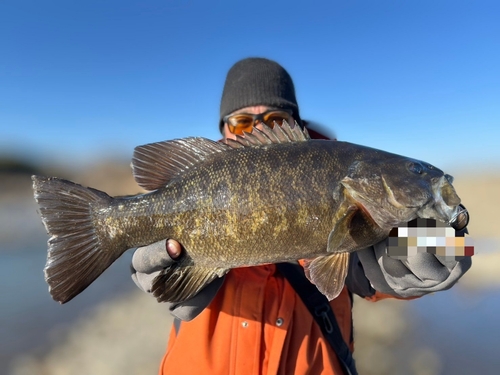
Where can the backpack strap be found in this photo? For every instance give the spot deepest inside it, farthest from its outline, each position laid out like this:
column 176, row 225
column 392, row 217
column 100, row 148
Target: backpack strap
column 320, row 309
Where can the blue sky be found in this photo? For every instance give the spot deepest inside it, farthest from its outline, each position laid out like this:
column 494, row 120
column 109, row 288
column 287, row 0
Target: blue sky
column 79, row 80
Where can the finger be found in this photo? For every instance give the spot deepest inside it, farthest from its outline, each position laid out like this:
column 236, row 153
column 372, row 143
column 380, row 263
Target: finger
column 190, row 308
column 396, row 269
column 369, row 260
column 173, row 248
column 424, row 266
column 427, row 267
column 447, row 261
column 151, row 258
column 145, row 281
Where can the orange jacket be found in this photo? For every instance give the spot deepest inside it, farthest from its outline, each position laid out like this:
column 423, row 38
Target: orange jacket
column 256, row 324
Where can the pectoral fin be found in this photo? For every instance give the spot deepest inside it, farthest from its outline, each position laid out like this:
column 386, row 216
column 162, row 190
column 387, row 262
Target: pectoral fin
column 183, row 280
column 328, row 273
column 340, row 239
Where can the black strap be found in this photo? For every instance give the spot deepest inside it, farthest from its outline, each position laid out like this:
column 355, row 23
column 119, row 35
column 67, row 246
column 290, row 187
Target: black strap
column 320, row 309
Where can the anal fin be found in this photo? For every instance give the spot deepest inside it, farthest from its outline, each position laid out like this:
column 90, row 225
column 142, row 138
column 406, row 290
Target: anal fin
column 328, row 273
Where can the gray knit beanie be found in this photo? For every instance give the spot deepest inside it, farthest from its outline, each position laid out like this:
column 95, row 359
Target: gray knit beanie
column 257, row 81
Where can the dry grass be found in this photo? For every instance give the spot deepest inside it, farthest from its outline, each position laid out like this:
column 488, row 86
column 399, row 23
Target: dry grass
column 481, row 195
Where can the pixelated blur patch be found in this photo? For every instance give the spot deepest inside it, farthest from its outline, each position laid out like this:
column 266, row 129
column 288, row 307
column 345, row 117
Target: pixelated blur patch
column 428, row 236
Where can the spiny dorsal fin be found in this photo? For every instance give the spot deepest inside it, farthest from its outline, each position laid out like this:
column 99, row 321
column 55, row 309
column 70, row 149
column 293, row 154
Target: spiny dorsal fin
column 278, row 134
column 155, row 164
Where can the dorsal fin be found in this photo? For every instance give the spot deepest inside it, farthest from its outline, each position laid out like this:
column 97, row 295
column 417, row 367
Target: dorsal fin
column 155, row 164
column 278, row 134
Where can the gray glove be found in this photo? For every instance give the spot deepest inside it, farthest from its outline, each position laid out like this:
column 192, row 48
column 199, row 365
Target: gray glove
column 149, row 261
column 413, row 277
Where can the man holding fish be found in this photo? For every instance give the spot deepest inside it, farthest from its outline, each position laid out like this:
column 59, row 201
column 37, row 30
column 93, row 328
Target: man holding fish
column 252, row 320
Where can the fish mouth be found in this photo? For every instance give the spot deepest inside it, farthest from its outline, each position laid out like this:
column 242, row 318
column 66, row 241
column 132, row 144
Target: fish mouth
column 449, row 206
column 460, row 218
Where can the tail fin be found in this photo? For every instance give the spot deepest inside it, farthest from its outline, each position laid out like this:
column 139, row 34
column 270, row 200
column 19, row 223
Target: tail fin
column 75, row 258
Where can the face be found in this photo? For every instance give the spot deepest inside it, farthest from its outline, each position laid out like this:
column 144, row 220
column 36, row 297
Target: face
column 255, row 110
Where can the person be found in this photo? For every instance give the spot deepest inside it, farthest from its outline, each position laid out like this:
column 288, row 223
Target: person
column 252, row 321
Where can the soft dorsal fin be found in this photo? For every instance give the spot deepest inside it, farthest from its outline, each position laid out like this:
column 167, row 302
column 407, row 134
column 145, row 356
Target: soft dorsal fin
column 278, row 134
column 155, row 164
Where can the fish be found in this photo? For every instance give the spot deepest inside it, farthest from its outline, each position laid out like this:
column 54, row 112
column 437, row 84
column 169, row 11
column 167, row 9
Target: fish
column 270, row 196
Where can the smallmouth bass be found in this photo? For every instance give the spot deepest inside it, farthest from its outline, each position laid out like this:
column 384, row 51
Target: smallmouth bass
column 270, row 196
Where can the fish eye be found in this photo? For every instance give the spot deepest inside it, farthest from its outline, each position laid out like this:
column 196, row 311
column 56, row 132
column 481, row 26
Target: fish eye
column 416, row 168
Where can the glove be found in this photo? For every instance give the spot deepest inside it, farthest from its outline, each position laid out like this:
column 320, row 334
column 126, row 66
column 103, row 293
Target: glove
column 149, row 261
column 413, row 277
column 356, row 280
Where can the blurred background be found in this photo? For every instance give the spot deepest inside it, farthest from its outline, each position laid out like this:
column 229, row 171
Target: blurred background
column 82, row 84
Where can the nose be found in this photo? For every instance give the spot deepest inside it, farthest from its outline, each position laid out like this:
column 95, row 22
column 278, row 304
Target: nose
column 461, row 219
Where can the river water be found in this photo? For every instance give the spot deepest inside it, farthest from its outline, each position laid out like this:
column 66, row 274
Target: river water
column 29, row 318
column 462, row 327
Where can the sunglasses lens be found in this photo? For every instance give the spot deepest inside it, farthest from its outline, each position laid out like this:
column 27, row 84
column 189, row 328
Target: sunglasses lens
column 244, row 122
column 276, row 117
column 240, row 123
